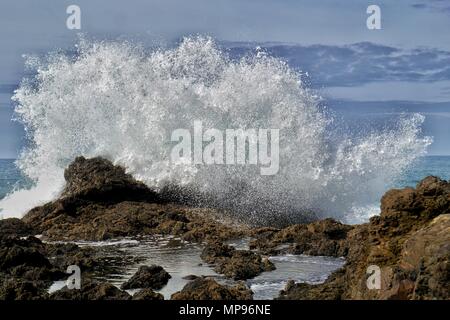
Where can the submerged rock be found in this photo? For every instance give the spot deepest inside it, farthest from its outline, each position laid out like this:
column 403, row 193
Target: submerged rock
column 428, row 251
column 208, row 289
column 190, row 277
column 235, row 264
column 152, row 277
column 243, row 265
column 23, row 262
column 409, row 242
column 25, row 269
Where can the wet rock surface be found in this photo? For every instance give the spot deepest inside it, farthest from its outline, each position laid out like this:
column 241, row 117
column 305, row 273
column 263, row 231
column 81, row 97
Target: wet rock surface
column 101, row 202
column 235, row 264
column 97, row 180
column 209, row 289
column 25, row 271
column 13, row 228
column 321, row 238
column 28, row 267
column 147, row 294
column 18, row 289
column 91, row 290
column 151, row 277
column 409, row 242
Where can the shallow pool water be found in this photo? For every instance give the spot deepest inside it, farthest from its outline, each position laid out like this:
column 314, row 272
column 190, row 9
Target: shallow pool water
column 182, row 259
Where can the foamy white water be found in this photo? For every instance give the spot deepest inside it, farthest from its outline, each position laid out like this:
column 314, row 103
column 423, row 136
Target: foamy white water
column 122, row 102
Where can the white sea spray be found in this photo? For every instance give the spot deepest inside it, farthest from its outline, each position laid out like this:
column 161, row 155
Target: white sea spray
column 122, row 102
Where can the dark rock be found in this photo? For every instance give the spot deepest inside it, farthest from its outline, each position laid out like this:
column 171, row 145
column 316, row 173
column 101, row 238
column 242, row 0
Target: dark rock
column 99, row 180
column 208, row 289
column 22, row 252
column 91, row 290
column 216, row 250
column 433, row 186
column 152, row 277
column 190, row 277
column 100, row 222
column 235, row 264
column 28, row 267
column 19, row 289
column 32, row 259
column 102, row 202
column 321, row 238
column 147, row 294
column 13, row 227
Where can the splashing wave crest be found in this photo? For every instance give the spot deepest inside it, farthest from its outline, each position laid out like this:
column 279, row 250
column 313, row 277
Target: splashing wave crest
column 122, row 102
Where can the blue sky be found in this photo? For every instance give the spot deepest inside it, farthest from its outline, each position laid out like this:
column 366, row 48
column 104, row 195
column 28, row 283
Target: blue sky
column 403, row 67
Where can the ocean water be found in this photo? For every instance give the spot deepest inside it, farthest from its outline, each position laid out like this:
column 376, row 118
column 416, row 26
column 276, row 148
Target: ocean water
column 438, row 166
column 11, row 178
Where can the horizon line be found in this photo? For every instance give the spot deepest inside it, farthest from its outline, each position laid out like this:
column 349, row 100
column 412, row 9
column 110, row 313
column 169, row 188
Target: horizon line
column 426, row 155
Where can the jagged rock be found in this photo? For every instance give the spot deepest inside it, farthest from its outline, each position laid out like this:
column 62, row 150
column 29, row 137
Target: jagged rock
column 99, row 180
column 19, row 289
column 152, row 277
column 428, row 252
column 243, row 265
column 208, row 289
column 235, row 264
column 28, row 266
column 102, row 202
column 305, row 291
column 91, row 290
column 216, row 250
column 22, row 252
column 430, row 198
column 25, row 272
column 321, row 238
column 13, row 227
column 34, row 260
column 101, row 222
column 410, row 243
column 147, row 294
column 63, row 255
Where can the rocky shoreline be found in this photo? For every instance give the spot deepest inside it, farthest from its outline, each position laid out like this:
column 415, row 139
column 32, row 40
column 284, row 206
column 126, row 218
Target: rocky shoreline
column 409, row 242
